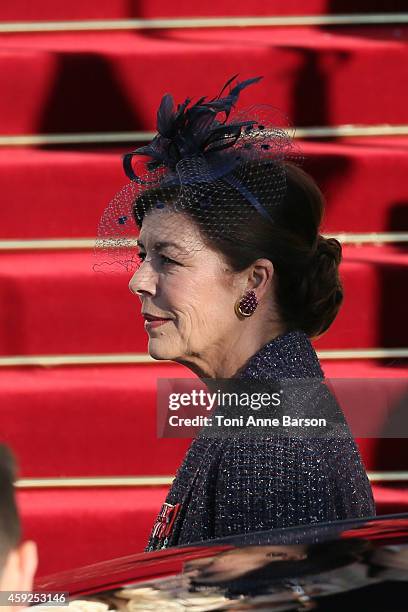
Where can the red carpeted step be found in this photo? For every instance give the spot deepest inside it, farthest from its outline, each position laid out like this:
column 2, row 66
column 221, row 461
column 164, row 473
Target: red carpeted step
column 379, row 454
column 68, row 190
column 54, row 303
column 25, row 10
column 372, row 312
column 74, row 527
column 88, row 421
column 390, row 499
column 101, row 421
column 316, row 76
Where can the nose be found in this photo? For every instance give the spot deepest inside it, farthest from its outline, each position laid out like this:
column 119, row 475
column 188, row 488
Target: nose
column 142, row 282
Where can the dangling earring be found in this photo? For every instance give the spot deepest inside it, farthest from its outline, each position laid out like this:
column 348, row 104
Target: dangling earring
column 246, row 306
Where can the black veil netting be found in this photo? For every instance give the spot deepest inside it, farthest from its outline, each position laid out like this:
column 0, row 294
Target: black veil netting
column 217, row 165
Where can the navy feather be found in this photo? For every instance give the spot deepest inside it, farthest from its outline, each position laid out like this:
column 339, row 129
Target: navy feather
column 226, row 85
column 191, row 130
column 165, row 116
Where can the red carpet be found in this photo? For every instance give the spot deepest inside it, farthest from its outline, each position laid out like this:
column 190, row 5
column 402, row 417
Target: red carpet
column 54, row 303
column 101, row 421
column 353, row 176
column 99, row 524
column 351, row 75
column 89, row 421
column 80, row 526
column 25, row 10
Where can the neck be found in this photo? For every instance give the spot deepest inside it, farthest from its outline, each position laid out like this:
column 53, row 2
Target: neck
column 225, row 359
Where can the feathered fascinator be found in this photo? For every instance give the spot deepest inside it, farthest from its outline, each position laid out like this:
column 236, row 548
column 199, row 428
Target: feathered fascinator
column 219, row 166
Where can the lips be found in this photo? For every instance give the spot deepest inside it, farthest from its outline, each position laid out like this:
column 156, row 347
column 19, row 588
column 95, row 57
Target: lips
column 149, row 317
column 152, row 321
column 149, row 325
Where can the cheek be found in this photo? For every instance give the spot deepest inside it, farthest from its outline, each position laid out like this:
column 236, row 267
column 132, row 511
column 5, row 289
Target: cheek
column 208, row 306
column 182, row 295
column 202, row 302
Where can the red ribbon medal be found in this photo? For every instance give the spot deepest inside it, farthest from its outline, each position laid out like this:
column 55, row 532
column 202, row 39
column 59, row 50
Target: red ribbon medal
column 165, row 521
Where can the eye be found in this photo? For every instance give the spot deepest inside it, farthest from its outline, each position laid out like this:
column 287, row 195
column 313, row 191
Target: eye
column 165, row 260
column 168, row 261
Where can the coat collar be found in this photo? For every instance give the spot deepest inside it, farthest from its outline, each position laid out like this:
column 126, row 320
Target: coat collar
column 289, row 355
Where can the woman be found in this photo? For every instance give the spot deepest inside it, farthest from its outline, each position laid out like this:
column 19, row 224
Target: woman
column 234, row 280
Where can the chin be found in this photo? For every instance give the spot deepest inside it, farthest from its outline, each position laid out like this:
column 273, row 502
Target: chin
column 159, row 349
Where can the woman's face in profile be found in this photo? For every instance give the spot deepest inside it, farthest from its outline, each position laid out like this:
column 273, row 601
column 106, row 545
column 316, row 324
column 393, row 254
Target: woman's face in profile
column 187, row 284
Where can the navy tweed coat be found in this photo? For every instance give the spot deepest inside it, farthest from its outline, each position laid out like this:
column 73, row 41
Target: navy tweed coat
column 238, row 484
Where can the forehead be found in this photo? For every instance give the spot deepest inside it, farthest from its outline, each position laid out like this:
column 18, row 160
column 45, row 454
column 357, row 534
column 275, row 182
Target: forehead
column 170, row 227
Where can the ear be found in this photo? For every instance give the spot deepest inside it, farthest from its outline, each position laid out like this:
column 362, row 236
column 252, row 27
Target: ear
column 260, row 277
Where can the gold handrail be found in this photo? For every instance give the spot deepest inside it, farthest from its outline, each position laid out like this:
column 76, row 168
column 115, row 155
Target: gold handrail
column 203, row 22
column 335, row 131
column 62, row 244
column 151, row 481
column 97, row 481
column 140, row 358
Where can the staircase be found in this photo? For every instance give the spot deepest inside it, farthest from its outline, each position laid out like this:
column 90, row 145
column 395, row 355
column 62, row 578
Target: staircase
column 80, row 86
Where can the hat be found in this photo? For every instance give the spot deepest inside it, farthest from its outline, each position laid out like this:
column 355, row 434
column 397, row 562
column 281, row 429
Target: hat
column 218, row 165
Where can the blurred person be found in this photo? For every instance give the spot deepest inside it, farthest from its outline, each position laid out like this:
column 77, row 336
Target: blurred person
column 18, row 560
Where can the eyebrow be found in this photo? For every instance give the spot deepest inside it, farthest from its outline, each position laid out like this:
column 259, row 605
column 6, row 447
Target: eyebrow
column 160, row 245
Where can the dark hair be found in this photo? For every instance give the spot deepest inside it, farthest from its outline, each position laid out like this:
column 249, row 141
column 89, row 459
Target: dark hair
column 10, row 530
column 307, row 284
